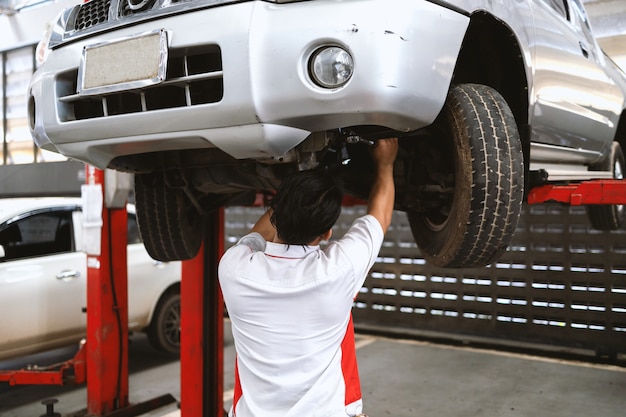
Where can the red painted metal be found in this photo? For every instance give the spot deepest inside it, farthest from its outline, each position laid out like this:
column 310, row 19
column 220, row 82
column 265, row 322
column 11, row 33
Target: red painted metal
column 191, row 336
column 350, row 201
column 202, row 327
column 68, row 372
column 214, row 334
column 107, row 312
column 583, row 193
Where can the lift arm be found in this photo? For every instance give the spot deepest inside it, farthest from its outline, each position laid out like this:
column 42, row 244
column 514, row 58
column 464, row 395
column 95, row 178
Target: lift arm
column 72, row 371
column 584, row 193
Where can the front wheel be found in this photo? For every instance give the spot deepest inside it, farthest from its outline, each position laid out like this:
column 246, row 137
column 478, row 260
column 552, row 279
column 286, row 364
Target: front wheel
column 164, row 330
column 471, row 227
column 609, row 217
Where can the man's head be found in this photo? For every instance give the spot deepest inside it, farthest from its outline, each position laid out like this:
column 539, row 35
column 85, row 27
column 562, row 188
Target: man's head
column 306, row 207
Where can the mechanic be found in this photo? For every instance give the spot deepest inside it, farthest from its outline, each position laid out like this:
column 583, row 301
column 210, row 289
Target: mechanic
column 290, row 302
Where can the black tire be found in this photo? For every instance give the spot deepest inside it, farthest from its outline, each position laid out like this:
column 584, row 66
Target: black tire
column 164, row 330
column 609, row 217
column 172, row 229
column 475, row 225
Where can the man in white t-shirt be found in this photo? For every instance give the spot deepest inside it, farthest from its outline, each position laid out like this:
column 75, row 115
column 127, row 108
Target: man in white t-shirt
column 290, row 302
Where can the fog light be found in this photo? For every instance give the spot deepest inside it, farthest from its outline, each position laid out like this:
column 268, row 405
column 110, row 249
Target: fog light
column 331, row 67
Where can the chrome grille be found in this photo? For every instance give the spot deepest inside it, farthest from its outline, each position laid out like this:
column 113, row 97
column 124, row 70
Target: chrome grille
column 194, row 77
column 95, row 16
column 92, row 13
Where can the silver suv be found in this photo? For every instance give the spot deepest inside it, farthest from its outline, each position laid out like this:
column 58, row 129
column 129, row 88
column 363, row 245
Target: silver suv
column 208, row 100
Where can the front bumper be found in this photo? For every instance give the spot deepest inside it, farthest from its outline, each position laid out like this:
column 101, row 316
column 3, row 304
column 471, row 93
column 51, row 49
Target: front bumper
column 404, row 53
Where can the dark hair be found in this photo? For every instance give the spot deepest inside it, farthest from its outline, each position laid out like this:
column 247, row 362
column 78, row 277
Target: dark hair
column 306, row 206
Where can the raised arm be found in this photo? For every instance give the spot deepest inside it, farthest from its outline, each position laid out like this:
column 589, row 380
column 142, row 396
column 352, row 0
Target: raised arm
column 382, row 195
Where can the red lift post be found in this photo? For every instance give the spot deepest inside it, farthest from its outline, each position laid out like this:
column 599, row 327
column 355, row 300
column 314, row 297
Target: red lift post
column 107, row 300
column 202, row 327
column 107, row 309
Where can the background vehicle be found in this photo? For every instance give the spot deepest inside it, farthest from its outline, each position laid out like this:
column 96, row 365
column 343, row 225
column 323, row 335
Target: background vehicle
column 43, row 277
column 489, row 98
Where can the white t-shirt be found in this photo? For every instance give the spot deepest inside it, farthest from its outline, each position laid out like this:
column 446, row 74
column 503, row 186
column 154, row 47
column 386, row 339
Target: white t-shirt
column 290, row 310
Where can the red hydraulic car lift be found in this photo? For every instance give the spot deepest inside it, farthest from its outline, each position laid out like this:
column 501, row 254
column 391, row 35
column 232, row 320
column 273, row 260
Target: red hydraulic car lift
column 202, row 309
column 106, row 347
column 104, row 358
column 107, row 303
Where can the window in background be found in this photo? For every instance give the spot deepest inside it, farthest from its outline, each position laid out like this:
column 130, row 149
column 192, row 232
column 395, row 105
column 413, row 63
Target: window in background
column 17, row 144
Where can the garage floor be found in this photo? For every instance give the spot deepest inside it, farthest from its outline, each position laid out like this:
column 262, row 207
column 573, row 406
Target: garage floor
column 400, row 378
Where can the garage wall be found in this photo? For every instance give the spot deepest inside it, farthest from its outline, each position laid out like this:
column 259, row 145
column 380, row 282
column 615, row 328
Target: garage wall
column 608, row 21
column 560, row 284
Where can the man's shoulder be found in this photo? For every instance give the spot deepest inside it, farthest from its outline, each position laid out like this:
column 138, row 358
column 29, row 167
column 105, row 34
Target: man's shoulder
column 365, row 229
column 367, row 221
column 253, row 241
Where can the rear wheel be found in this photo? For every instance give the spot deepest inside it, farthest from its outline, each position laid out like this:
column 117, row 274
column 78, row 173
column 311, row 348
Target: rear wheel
column 171, row 227
column 473, row 225
column 609, row 217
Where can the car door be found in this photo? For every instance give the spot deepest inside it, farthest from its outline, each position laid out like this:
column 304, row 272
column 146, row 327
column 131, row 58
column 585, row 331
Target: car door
column 42, row 282
column 575, row 101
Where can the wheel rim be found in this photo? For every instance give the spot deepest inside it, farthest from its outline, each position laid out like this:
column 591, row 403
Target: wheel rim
column 437, row 220
column 171, row 325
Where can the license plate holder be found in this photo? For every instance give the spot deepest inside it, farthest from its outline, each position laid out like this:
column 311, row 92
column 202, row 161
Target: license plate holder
column 123, row 64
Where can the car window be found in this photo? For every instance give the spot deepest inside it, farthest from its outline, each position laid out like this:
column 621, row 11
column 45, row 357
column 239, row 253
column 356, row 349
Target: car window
column 37, row 234
column 133, row 230
column 560, row 6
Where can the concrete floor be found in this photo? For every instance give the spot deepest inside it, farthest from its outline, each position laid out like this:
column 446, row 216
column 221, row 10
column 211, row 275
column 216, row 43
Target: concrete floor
column 400, row 378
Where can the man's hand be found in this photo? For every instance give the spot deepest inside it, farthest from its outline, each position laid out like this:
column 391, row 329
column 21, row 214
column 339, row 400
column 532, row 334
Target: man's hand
column 385, row 151
column 382, row 193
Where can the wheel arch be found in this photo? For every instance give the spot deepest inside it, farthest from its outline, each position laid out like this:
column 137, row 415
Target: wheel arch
column 491, row 55
column 620, row 133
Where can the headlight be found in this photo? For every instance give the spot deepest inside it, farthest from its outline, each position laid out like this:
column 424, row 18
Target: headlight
column 331, row 67
column 53, row 35
column 43, row 46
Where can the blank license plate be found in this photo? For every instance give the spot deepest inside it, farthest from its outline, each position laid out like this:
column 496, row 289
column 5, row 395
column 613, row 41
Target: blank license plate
column 123, row 64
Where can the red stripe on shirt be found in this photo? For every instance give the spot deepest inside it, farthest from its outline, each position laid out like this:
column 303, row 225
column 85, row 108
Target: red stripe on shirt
column 349, row 366
column 237, row 392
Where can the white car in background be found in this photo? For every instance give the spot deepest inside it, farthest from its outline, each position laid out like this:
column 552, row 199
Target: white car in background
column 43, row 276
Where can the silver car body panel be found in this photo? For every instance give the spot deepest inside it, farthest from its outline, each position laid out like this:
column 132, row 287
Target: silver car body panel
column 576, row 94
column 405, row 53
column 269, row 105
